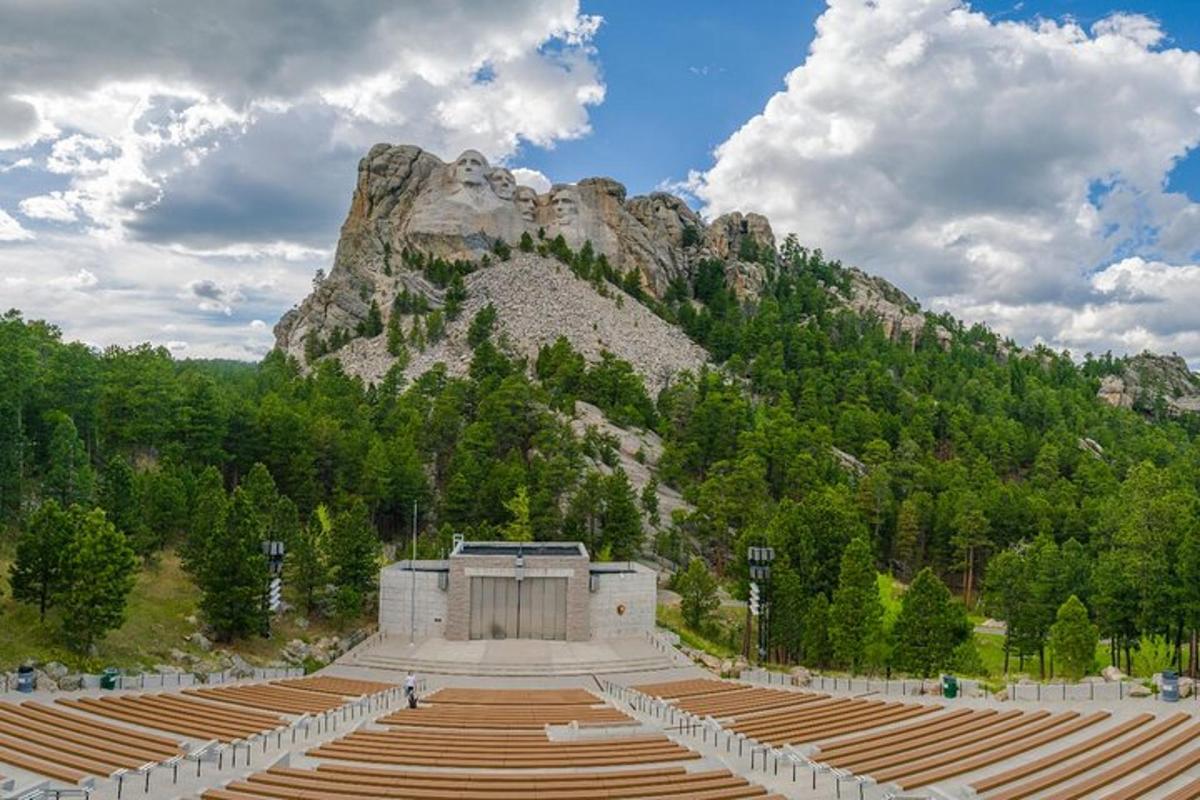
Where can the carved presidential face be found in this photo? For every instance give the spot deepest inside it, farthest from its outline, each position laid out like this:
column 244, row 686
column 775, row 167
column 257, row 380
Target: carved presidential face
column 502, row 182
column 469, row 168
column 565, row 203
column 526, row 200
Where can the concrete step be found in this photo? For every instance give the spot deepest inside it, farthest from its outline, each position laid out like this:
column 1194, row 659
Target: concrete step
column 401, row 663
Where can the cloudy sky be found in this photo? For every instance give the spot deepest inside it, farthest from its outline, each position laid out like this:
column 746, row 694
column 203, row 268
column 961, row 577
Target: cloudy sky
column 175, row 172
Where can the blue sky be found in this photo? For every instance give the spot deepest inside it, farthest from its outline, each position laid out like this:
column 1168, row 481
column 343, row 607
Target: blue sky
column 682, row 76
column 1028, row 164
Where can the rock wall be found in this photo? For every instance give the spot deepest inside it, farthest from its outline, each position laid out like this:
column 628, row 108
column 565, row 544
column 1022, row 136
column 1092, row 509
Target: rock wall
column 405, row 197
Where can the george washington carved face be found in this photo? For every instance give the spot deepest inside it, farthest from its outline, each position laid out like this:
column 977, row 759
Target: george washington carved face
column 502, row 182
column 565, row 202
column 469, row 168
column 526, row 200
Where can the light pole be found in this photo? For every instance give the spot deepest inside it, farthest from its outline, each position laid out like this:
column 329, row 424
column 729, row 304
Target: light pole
column 760, row 559
column 412, row 568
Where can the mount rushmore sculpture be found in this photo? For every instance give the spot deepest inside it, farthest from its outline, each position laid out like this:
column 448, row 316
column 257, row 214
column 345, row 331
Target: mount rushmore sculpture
column 409, row 199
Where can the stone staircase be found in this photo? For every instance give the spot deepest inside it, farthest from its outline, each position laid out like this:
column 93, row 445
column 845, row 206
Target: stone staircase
column 400, row 663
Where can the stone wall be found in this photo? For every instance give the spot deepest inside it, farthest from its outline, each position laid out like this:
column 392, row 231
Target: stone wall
column 624, row 603
column 574, row 569
column 395, row 594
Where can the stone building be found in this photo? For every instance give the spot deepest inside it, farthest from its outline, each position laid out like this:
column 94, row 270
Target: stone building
column 517, row 590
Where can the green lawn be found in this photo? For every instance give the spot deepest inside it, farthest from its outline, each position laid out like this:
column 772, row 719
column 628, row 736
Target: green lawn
column 155, row 623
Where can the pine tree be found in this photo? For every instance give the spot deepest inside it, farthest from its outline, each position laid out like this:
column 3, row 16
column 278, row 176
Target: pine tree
column 98, row 568
column 518, row 529
column 308, row 559
column 233, row 578
column 395, row 339
column 787, row 612
column 36, row 574
column 209, row 511
column 649, row 500
column 354, row 554
column 69, row 478
column 622, row 520
column 929, row 627
column 1073, row 638
column 118, row 497
column 856, row 614
column 526, row 244
column 698, row 594
column 818, row 650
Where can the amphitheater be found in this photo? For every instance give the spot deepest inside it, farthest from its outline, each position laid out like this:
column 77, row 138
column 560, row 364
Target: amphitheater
column 616, row 714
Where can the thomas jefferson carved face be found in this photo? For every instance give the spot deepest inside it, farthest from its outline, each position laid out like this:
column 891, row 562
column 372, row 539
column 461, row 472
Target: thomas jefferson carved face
column 526, row 200
column 502, row 182
column 565, row 202
column 469, row 168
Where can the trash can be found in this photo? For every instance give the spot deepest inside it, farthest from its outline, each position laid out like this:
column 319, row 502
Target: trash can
column 110, row 678
column 26, row 680
column 949, row 686
column 1170, row 687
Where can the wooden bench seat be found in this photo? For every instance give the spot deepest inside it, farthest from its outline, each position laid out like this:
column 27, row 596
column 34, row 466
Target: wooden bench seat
column 687, row 688
column 743, row 701
column 1088, row 787
column 508, row 750
column 271, row 698
column 187, row 716
column 1023, row 728
column 853, row 758
column 1191, row 791
column 1163, row 774
column 328, row 684
column 345, row 782
column 40, row 767
column 905, row 737
column 897, row 753
column 93, row 726
column 504, row 718
column 1037, row 786
column 513, row 697
column 1059, row 757
column 1022, row 743
column 803, row 734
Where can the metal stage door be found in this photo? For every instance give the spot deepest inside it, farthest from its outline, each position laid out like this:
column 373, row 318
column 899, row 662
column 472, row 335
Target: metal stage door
column 505, row 608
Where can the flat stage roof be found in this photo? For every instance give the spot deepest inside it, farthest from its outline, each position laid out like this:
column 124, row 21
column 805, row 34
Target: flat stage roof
column 526, row 549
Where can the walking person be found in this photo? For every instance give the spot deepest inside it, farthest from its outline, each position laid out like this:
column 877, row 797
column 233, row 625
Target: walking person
column 410, row 689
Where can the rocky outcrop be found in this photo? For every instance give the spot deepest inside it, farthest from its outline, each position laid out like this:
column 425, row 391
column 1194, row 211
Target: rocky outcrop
column 874, row 298
column 408, row 199
column 537, row 300
column 1147, row 380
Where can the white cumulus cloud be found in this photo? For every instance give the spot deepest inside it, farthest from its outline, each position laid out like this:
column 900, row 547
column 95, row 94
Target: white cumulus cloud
column 988, row 167
column 11, row 230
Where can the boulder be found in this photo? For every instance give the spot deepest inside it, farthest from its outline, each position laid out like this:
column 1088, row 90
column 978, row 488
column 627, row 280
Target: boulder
column 801, row 676
column 1186, row 687
column 1112, row 674
column 199, row 640
column 1140, row 690
column 70, row 683
column 1001, row 695
column 55, row 670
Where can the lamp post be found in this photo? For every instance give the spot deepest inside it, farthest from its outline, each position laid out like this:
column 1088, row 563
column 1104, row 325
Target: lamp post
column 412, row 568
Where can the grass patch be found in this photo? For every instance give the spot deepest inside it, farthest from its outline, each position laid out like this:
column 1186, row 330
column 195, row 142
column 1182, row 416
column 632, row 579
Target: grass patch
column 156, row 622
column 714, row 641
